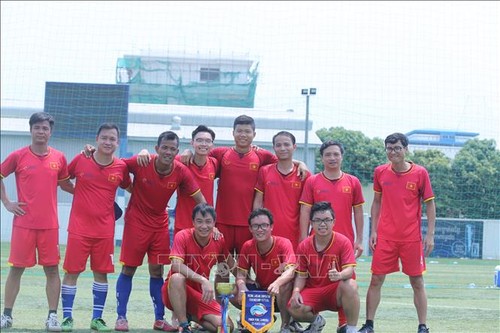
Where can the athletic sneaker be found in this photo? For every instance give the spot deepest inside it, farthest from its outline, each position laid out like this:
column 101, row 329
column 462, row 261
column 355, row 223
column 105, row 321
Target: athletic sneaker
column 185, row 329
column 241, row 328
column 52, row 324
column 366, row 329
column 295, row 327
column 317, row 325
column 342, row 329
column 121, row 324
column 285, row 329
column 422, row 329
column 6, row 321
column 67, row 324
column 99, row 325
column 163, row 325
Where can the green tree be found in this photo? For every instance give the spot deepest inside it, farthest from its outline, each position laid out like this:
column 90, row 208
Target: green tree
column 476, row 171
column 439, row 167
column 361, row 154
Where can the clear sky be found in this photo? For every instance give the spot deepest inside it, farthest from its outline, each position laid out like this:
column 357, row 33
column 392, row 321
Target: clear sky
column 379, row 67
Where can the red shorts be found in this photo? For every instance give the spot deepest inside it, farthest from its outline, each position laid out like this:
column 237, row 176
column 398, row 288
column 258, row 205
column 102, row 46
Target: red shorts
column 195, row 307
column 25, row 243
column 234, row 236
column 387, row 254
column 137, row 242
column 79, row 248
column 321, row 299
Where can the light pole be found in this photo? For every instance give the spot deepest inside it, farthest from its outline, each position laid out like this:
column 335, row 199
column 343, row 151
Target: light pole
column 307, row 93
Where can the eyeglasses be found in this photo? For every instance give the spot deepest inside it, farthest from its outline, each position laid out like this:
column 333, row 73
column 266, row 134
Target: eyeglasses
column 263, row 226
column 319, row 221
column 396, row 149
column 200, row 140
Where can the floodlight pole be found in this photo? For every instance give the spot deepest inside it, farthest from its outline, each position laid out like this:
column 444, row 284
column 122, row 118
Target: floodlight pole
column 307, row 93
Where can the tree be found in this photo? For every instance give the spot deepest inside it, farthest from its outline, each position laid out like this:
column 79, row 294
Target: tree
column 439, row 167
column 361, row 154
column 476, row 171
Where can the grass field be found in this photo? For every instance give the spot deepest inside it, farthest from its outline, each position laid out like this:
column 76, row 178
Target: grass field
column 461, row 298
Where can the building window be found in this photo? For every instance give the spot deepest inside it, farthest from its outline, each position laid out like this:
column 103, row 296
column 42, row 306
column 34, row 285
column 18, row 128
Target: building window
column 209, row 74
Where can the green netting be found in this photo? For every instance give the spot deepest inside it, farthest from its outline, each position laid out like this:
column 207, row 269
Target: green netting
column 160, row 81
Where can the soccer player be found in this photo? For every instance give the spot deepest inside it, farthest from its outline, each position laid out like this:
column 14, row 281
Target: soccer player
column 341, row 189
column 187, row 291
column 38, row 170
column 238, row 171
column 325, row 265
column 344, row 192
column 91, row 226
column 204, row 169
column 273, row 260
column 400, row 188
column 146, row 224
column 279, row 188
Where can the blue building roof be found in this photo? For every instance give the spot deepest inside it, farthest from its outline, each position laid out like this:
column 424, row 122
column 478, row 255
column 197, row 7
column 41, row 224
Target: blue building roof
column 430, row 137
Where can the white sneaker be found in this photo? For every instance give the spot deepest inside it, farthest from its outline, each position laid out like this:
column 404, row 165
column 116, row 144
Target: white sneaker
column 6, row 321
column 317, row 325
column 52, row 324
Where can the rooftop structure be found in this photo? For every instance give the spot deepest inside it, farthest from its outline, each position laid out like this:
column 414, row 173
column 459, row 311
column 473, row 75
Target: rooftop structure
column 449, row 142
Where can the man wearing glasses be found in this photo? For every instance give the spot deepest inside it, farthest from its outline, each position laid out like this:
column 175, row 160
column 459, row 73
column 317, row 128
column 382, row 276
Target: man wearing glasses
column 344, row 192
column 400, row 188
column 273, row 260
column 325, row 266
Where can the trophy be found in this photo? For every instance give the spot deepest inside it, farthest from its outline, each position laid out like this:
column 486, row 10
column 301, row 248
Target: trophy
column 225, row 291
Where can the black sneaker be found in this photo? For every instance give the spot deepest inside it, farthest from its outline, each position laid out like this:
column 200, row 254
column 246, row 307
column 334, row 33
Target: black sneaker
column 366, row 329
column 342, row 329
column 422, row 329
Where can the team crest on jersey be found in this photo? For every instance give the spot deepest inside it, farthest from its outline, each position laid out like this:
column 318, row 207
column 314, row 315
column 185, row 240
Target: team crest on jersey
column 113, row 178
column 411, row 186
column 171, row 185
column 296, row 184
column 54, row 165
column 254, row 166
column 211, row 176
column 275, row 262
column 346, row 189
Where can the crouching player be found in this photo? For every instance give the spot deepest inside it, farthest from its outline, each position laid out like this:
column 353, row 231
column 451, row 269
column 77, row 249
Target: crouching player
column 273, row 260
column 325, row 264
column 194, row 253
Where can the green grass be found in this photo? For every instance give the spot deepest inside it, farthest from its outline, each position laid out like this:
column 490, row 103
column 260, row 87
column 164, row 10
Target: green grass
column 461, row 298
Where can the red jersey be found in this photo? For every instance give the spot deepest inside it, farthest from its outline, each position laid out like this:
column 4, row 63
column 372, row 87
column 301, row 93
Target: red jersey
column 268, row 266
column 317, row 264
column 92, row 212
column 199, row 258
column 151, row 193
column 281, row 196
column 237, row 177
column 402, row 196
column 36, row 183
column 204, row 176
column 343, row 193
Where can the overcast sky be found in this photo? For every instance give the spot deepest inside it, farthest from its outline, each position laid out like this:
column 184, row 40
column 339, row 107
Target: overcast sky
column 379, row 67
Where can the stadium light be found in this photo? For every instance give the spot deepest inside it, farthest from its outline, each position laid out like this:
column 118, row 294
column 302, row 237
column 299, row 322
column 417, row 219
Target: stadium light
column 307, row 93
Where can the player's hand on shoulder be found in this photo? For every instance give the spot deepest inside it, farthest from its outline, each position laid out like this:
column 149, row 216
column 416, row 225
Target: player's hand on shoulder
column 186, row 157
column 143, row 158
column 88, row 150
column 216, row 234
